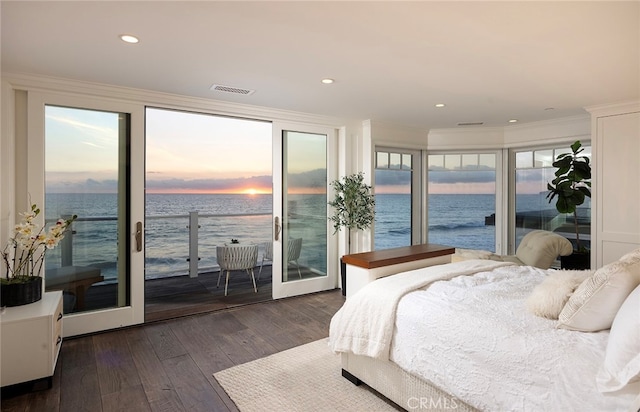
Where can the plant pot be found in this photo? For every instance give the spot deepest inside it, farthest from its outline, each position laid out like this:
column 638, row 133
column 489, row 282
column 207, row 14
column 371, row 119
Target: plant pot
column 17, row 294
column 576, row 261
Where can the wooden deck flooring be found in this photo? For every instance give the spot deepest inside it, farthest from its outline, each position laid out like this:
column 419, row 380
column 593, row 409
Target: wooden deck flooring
column 169, row 365
column 178, row 296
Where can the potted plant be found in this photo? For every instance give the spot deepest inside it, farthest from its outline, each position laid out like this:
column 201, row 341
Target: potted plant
column 571, row 186
column 23, row 257
column 353, row 208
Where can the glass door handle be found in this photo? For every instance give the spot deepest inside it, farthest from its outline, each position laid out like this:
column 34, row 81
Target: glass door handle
column 277, row 227
column 139, row 237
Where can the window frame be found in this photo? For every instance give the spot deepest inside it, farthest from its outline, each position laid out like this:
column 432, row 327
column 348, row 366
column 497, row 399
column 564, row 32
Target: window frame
column 418, row 232
column 500, row 188
column 512, row 168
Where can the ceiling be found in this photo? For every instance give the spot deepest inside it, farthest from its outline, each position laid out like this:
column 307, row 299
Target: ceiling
column 392, row 61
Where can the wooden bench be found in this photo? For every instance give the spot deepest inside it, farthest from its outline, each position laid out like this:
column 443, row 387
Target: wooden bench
column 73, row 279
column 362, row 268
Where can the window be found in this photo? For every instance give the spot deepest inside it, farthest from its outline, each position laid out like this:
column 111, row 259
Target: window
column 533, row 170
column 397, row 200
column 462, row 200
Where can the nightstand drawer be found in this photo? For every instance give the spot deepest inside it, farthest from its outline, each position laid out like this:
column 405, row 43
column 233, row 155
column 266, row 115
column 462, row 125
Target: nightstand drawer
column 57, row 333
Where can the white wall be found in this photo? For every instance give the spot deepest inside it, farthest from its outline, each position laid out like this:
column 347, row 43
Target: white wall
column 616, row 181
column 384, row 134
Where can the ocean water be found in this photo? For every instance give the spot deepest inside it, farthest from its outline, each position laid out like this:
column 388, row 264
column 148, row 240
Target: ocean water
column 392, row 226
column 454, row 220
column 459, row 220
column 221, row 218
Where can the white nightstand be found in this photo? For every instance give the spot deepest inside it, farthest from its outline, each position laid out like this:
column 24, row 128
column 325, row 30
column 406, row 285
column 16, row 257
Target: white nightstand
column 30, row 339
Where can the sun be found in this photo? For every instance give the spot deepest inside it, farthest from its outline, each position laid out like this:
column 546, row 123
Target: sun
column 251, row 191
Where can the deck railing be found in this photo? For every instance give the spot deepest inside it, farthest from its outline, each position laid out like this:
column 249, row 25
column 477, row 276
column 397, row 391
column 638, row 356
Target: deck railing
column 168, row 236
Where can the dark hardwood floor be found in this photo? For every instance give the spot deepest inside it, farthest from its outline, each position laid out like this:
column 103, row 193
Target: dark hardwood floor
column 169, row 365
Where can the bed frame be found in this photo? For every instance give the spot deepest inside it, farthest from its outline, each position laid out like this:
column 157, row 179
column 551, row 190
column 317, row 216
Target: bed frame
column 405, row 390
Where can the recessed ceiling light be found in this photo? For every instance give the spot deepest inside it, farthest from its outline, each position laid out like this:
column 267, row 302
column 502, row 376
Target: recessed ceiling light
column 129, row 38
column 327, row 81
column 549, row 108
column 513, row 121
column 440, row 105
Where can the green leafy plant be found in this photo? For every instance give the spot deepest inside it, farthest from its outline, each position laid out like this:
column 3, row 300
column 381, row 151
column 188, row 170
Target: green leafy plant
column 24, row 254
column 354, row 205
column 571, row 185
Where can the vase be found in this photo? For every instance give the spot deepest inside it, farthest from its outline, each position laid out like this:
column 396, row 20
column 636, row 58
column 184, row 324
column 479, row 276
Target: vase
column 17, row 294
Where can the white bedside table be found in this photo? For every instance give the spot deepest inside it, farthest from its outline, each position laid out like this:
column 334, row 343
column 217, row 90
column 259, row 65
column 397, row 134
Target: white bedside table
column 30, row 340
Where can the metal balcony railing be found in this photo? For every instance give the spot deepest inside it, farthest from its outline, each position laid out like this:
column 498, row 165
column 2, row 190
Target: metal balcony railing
column 180, row 239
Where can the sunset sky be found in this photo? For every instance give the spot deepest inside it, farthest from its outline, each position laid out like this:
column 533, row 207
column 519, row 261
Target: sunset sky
column 192, row 153
column 196, row 153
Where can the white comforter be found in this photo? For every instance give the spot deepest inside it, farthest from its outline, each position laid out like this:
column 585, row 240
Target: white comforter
column 364, row 324
column 473, row 337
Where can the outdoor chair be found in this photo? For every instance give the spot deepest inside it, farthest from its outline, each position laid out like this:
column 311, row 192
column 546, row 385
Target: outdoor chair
column 293, row 254
column 237, row 257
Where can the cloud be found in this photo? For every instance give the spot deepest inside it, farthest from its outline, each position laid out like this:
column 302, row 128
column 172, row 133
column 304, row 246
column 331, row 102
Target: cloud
column 72, row 183
column 314, row 178
column 462, row 176
column 392, row 178
column 438, row 176
column 82, row 186
column 214, row 185
column 534, row 175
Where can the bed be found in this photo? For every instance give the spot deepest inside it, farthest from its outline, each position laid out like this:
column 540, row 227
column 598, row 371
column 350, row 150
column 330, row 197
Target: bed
column 463, row 336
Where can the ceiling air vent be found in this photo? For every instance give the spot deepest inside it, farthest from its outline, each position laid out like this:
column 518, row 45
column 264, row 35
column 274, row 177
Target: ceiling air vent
column 231, row 89
column 471, row 124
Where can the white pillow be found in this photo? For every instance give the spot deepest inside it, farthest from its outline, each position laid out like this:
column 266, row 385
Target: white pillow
column 622, row 358
column 549, row 297
column 634, row 254
column 596, row 301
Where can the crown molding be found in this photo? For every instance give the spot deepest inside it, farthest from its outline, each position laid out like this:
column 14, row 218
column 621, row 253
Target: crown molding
column 552, row 131
column 614, row 108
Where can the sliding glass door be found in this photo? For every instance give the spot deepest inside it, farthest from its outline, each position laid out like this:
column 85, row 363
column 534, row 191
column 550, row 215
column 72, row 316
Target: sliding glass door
column 304, row 261
column 92, row 169
column 87, row 157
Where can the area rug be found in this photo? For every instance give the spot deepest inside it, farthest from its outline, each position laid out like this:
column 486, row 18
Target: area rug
column 304, row 378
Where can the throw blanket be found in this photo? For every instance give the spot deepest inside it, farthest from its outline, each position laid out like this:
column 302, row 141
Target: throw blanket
column 364, row 325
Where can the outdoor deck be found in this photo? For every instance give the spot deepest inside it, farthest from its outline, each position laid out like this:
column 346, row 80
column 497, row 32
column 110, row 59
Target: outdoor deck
column 178, row 296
